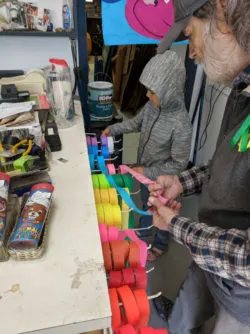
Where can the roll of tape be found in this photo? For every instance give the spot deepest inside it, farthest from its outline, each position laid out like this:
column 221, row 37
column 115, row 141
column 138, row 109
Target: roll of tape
column 129, row 305
column 111, row 169
column 97, row 196
column 104, row 194
column 117, row 216
column 125, row 220
column 100, row 214
column 124, row 206
column 103, row 182
column 115, row 279
column 111, row 146
column 113, row 233
column 127, row 329
column 88, row 139
column 125, row 213
column 95, row 181
column 122, row 169
column 90, row 151
column 119, row 253
column 92, row 161
column 146, row 330
column 143, row 307
column 103, row 229
column 118, row 180
column 104, row 141
column 141, row 279
column 113, row 196
column 128, row 182
column 95, row 151
column 160, row 331
column 134, row 255
column 115, row 309
column 131, row 223
column 128, row 277
column 107, row 256
column 94, row 141
column 130, row 234
column 108, row 214
column 105, row 152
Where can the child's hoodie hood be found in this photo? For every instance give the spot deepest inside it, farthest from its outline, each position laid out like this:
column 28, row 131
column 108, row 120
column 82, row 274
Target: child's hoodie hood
column 165, row 75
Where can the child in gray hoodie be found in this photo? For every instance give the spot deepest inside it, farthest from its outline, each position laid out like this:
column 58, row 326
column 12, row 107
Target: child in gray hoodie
column 165, row 128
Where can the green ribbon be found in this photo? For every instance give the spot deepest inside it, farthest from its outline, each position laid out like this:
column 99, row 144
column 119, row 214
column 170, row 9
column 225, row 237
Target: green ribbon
column 241, row 136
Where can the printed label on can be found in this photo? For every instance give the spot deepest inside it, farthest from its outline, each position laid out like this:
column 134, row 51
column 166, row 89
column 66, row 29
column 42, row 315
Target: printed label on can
column 105, row 99
column 30, row 224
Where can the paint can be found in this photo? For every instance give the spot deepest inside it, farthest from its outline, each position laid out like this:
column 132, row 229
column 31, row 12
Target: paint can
column 100, row 100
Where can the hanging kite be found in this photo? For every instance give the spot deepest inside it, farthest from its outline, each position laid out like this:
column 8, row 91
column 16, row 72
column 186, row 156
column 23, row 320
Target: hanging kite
column 136, row 21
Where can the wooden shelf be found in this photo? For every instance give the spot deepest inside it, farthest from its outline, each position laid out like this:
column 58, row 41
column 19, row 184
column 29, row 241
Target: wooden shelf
column 36, row 33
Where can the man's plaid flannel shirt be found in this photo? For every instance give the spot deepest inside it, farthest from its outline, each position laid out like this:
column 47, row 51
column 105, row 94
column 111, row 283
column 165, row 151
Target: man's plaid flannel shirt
column 225, row 253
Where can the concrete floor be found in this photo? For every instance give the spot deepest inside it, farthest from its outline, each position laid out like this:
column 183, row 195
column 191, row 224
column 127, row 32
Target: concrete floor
column 170, row 269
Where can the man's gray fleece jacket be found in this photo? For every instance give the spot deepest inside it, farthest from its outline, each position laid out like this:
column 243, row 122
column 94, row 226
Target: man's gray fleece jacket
column 165, row 139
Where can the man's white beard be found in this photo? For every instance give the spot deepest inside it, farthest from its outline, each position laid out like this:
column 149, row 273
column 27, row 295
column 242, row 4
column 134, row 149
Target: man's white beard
column 223, row 58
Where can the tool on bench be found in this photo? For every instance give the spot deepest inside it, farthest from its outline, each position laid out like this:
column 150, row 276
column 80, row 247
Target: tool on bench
column 28, row 141
column 9, row 94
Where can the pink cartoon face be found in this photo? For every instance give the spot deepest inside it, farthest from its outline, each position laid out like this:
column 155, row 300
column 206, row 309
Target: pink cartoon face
column 150, row 18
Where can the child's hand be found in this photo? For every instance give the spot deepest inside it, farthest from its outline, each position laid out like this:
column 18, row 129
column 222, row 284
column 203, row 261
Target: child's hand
column 139, row 170
column 106, row 132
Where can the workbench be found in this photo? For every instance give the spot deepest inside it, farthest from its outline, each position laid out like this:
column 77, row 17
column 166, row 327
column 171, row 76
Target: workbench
column 64, row 292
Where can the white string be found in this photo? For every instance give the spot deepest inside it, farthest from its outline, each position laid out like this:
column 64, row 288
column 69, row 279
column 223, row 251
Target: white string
column 136, row 192
column 143, row 228
column 127, row 211
column 149, row 297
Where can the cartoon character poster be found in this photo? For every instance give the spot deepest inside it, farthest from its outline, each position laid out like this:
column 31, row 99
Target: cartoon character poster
column 136, row 21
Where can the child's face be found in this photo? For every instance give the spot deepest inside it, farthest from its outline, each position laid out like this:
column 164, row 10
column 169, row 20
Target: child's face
column 153, row 98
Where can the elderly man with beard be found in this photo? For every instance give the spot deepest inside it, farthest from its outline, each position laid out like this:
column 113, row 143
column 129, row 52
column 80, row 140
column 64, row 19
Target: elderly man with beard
column 218, row 282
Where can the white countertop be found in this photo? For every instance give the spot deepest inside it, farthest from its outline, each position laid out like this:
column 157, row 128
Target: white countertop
column 64, row 292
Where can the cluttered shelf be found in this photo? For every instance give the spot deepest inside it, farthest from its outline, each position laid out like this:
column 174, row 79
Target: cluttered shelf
column 28, row 33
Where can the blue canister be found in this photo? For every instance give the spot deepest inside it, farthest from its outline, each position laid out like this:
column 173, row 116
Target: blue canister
column 100, row 100
column 31, row 222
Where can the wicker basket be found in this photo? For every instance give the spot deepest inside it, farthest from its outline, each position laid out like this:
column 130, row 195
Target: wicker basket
column 13, row 209
column 30, row 254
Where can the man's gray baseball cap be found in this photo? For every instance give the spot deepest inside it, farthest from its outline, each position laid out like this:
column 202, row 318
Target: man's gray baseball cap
column 183, row 10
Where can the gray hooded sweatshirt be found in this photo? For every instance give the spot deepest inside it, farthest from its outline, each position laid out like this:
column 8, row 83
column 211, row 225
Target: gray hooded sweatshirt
column 165, row 139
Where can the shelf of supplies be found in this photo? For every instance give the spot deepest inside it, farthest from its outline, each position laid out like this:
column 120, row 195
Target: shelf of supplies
column 37, row 33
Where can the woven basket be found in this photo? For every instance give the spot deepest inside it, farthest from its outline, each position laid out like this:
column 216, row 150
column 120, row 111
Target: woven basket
column 13, row 209
column 30, row 254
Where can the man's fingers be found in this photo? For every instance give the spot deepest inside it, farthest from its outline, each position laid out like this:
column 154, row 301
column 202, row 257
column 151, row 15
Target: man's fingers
column 178, row 207
column 155, row 187
column 155, row 202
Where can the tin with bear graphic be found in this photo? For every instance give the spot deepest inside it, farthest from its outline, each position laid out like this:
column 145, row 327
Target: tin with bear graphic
column 31, row 222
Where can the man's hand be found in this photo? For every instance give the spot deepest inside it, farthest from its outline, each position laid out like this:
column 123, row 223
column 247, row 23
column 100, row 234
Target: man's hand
column 163, row 215
column 139, row 170
column 106, row 132
column 168, row 186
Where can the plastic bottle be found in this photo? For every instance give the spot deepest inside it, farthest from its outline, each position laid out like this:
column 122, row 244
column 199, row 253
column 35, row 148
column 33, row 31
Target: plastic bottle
column 61, row 89
column 68, row 23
